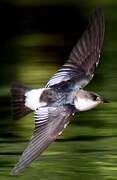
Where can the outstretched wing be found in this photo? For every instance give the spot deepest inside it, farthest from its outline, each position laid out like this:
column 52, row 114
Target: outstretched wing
column 49, row 122
column 84, row 57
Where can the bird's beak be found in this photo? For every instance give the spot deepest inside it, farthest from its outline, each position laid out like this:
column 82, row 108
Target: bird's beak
column 102, row 100
column 105, row 101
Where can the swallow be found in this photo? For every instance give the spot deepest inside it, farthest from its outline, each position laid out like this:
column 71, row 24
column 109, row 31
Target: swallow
column 63, row 96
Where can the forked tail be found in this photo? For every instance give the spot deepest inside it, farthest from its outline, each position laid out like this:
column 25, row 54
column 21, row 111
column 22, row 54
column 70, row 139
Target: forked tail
column 18, row 101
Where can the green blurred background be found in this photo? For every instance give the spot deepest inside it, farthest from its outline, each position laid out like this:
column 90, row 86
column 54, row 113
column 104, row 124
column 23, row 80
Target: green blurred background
column 36, row 38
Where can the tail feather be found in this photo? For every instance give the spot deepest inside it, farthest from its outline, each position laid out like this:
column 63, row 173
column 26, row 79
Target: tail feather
column 18, row 101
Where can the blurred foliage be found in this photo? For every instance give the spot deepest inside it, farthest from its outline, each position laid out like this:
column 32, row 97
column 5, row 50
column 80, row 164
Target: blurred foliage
column 36, row 39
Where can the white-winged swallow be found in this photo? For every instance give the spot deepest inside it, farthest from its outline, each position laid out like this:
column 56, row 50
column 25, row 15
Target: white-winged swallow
column 63, row 95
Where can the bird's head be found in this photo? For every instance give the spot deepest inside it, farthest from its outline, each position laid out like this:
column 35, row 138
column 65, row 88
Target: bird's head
column 86, row 100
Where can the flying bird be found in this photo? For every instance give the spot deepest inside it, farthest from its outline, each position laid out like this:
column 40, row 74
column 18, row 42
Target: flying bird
column 63, row 95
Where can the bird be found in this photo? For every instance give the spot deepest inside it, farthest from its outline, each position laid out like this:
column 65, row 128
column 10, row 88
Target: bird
column 64, row 94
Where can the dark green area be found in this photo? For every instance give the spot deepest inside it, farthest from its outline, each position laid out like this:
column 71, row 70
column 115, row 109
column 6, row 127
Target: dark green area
column 36, row 38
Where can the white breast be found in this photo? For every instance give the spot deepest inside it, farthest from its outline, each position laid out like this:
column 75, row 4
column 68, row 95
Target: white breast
column 32, row 99
column 84, row 104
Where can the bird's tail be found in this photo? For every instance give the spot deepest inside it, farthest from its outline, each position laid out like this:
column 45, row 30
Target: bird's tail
column 18, row 101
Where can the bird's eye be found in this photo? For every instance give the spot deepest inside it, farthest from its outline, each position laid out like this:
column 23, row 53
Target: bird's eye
column 94, row 97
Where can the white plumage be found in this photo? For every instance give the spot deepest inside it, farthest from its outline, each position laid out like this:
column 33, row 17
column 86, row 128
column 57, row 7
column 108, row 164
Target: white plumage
column 84, row 104
column 32, row 100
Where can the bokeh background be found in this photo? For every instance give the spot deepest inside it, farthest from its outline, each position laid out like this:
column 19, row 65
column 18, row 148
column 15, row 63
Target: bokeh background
column 36, row 37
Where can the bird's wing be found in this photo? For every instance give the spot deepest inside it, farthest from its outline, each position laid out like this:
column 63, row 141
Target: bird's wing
column 49, row 122
column 85, row 55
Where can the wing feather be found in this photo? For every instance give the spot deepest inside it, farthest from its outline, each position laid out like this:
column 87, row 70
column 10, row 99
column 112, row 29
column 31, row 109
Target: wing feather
column 43, row 135
column 85, row 55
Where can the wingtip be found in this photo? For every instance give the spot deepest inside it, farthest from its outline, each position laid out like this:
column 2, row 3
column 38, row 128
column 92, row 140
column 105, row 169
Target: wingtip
column 14, row 172
column 98, row 9
column 98, row 12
